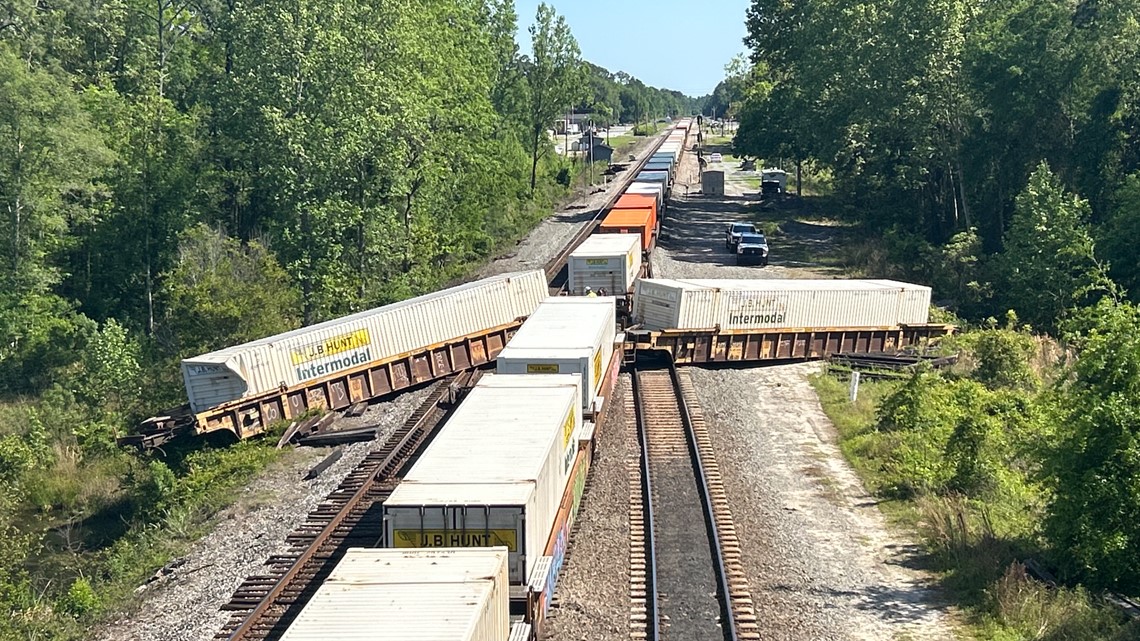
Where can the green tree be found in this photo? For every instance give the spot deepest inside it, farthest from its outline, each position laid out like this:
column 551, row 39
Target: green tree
column 220, row 292
column 555, row 78
column 49, row 171
column 1049, row 265
column 1116, row 239
column 1095, row 462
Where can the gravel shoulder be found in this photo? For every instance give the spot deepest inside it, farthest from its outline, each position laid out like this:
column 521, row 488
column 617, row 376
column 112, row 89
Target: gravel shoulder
column 184, row 606
column 821, row 561
column 592, row 598
column 552, row 234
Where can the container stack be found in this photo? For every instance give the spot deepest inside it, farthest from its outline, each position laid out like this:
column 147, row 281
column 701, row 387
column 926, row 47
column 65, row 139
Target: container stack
column 609, row 261
column 496, row 472
column 444, row 594
column 571, row 335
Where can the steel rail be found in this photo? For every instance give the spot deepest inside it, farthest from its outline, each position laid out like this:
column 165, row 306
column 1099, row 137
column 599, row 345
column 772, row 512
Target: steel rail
column 381, row 472
column 652, row 622
column 710, row 517
column 554, row 267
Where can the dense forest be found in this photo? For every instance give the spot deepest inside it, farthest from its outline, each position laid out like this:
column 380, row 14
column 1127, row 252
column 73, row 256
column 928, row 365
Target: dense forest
column 991, row 150
column 181, row 175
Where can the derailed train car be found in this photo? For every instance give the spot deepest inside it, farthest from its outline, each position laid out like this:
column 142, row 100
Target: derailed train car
column 245, row 388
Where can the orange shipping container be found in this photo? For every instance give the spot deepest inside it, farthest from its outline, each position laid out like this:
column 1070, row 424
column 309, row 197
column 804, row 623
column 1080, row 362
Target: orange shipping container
column 637, row 201
column 631, row 221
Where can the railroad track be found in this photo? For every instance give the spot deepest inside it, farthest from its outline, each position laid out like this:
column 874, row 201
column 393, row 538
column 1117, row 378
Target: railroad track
column 687, row 581
column 556, row 267
column 265, row 605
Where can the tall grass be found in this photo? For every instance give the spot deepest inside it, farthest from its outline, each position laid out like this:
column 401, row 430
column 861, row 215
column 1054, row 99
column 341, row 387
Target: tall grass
column 978, row 548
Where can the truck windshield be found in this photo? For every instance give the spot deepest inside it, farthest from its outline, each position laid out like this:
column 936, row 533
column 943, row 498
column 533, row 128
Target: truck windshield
column 752, row 239
column 741, row 229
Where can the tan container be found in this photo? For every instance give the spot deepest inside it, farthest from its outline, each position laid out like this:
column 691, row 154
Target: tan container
column 443, row 594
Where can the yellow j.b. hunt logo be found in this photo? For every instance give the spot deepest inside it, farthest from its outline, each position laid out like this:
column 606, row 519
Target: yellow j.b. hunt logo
column 330, row 346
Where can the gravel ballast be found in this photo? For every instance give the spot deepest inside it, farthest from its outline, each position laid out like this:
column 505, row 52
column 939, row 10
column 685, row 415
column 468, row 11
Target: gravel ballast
column 593, row 591
column 553, row 233
column 819, row 557
column 820, row 560
column 184, row 606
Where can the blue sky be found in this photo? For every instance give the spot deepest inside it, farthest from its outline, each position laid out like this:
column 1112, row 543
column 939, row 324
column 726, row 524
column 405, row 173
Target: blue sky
column 675, row 44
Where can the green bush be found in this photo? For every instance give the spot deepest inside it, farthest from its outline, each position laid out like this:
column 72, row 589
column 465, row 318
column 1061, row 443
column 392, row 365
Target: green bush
column 81, row 599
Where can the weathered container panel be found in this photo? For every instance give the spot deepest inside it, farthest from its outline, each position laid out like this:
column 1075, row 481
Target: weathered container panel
column 444, row 594
column 610, row 261
column 778, row 304
column 495, row 473
column 572, row 335
column 312, row 353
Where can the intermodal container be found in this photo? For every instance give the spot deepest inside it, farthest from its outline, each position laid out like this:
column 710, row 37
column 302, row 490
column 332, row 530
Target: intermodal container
column 442, row 594
column 610, row 261
column 311, row 353
column 565, row 335
column 666, row 167
column 782, row 304
column 654, row 176
column 657, row 190
column 495, row 473
column 637, row 201
column 631, row 221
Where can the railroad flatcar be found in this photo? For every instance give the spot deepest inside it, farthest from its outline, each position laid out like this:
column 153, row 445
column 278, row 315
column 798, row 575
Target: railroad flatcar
column 351, row 351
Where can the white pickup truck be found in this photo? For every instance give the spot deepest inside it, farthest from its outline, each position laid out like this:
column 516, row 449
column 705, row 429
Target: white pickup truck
column 733, row 231
column 752, row 249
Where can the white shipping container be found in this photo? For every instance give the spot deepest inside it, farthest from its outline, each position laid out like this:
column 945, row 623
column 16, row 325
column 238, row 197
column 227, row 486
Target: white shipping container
column 778, row 304
column 445, row 594
column 495, row 473
column 612, row 261
column 565, row 335
column 652, row 188
column 317, row 351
